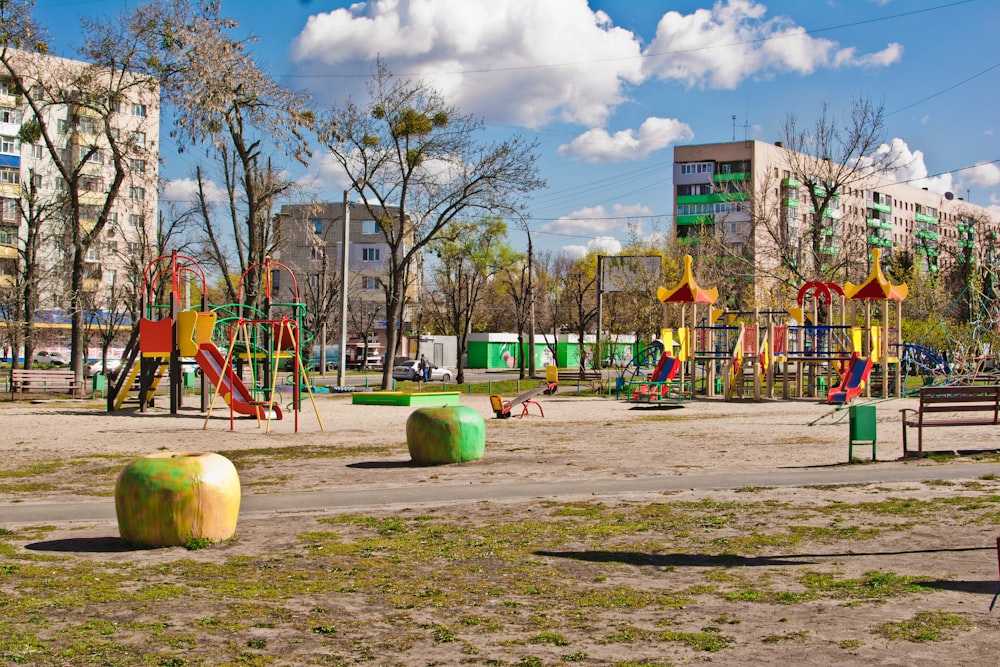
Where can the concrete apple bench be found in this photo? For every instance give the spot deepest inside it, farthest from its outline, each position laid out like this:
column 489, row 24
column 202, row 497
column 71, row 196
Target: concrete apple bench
column 449, row 434
column 170, row 498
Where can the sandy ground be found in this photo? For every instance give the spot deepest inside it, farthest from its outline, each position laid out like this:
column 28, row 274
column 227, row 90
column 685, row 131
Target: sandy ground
column 364, row 447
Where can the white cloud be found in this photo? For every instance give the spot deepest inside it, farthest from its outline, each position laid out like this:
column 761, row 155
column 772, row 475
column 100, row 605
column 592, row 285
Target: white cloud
column 722, row 46
column 911, row 168
column 596, row 220
column 185, row 191
column 982, row 174
column 605, row 244
column 517, row 61
column 597, row 145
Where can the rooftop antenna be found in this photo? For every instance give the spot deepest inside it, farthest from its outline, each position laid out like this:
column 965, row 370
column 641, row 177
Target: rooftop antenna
column 745, row 125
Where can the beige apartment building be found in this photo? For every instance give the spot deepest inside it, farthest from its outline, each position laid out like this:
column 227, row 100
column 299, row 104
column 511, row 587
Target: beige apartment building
column 82, row 124
column 753, row 195
column 312, row 248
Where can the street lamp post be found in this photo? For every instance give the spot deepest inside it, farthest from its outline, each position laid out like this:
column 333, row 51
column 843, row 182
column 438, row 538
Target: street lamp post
column 342, row 365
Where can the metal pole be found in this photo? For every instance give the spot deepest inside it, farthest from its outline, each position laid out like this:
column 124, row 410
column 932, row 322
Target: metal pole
column 531, row 307
column 600, row 312
column 342, row 366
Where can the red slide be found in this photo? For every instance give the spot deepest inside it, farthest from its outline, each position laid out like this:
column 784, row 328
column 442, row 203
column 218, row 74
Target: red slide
column 213, row 365
column 853, row 382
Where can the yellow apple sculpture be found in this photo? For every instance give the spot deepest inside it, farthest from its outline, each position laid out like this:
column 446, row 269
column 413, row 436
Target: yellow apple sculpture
column 169, row 498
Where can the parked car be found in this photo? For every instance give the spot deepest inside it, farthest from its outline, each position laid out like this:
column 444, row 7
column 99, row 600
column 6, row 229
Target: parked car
column 312, row 363
column 45, row 357
column 92, row 368
column 407, row 370
column 373, row 362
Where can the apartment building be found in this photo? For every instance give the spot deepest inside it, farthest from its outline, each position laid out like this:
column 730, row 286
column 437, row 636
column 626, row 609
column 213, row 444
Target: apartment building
column 114, row 108
column 756, row 196
column 312, row 248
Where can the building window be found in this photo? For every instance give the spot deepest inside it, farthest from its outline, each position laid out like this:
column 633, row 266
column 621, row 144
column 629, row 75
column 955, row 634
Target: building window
column 133, row 248
column 137, row 194
column 9, row 145
column 93, row 255
column 369, row 227
column 137, row 221
column 139, row 166
column 37, row 151
column 112, row 247
column 369, row 283
column 91, row 184
column 8, row 237
column 139, row 138
column 112, row 223
column 8, row 210
column 139, row 110
column 10, row 176
column 317, row 225
column 87, row 125
column 36, row 181
column 369, row 254
column 89, row 212
column 8, row 87
column 8, row 115
column 97, row 157
column 109, row 276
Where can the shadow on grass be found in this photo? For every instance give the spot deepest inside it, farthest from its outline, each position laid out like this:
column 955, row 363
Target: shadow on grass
column 733, row 560
column 95, row 545
column 377, row 465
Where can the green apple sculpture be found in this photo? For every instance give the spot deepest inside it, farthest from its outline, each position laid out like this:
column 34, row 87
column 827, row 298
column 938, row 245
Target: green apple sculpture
column 170, row 498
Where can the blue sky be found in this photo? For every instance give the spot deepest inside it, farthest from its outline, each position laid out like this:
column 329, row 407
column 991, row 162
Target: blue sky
column 608, row 87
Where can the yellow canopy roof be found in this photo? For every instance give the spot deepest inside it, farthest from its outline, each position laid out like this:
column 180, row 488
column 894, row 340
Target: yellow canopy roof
column 876, row 287
column 687, row 290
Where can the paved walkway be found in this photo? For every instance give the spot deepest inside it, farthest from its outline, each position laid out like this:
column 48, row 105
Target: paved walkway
column 426, row 494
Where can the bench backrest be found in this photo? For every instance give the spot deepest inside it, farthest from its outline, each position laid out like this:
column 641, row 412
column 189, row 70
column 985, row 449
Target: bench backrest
column 27, row 374
column 960, row 399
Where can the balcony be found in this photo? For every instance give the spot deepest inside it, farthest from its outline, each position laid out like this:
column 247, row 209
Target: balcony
column 790, row 202
column 923, row 217
column 790, row 182
column 729, row 178
column 12, row 190
column 930, row 236
column 695, row 220
column 8, row 252
column 880, row 207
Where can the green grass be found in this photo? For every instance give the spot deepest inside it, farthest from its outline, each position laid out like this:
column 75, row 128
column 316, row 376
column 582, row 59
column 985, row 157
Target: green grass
column 371, row 586
column 927, row 626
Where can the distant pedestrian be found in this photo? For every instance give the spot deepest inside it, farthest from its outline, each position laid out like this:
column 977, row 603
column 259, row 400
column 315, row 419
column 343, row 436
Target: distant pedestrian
column 425, row 368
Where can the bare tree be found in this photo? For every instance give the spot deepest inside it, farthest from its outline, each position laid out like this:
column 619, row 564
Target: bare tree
column 227, row 104
column 577, row 305
column 829, row 158
column 407, row 148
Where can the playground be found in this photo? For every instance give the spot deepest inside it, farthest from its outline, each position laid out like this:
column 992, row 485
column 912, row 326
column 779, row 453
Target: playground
column 754, row 549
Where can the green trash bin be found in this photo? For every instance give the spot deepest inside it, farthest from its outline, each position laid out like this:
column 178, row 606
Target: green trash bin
column 99, row 385
column 863, row 429
column 187, row 380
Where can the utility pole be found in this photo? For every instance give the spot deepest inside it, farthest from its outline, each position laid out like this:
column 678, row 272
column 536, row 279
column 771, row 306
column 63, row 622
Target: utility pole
column 342, row 366
column 531, row 307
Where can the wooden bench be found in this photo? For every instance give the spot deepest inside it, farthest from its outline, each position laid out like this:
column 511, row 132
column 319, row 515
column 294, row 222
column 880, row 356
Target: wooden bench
column 977, row 405
column 589, row 377
column 22, row 380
